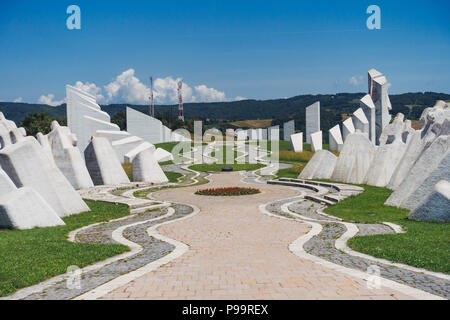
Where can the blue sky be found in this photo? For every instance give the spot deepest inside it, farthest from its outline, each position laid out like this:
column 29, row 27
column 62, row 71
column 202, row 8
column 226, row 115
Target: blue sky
column 223, row 50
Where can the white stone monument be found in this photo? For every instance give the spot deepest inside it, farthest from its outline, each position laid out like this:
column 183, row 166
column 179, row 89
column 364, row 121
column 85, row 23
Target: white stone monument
column 242, row 135
column 147, row 169
column 354, row 160
column 435, row 208
column 360, row 122
column 378, row 90
column 67, row 156
column 316, row 141
column 103, row 164
column 274, row 133
column 312, row 120
column 320, row 166
column 335, row 138
column 366, row 104
column 297, row 142
column 28, row 166
column 85, row 117
column 347, row 128
column 288, row 130
column 424, row 166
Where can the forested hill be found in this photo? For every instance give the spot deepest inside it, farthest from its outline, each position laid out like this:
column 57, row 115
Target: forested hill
column 332, row 107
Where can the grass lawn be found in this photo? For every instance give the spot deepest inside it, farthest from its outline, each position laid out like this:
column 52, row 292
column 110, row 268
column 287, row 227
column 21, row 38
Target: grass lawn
column 222, row 153
column 218, row 167
column 128, row 168
column 291, row 172
column 173, row 176
column 31, row 256
column 424, row 245
column 168, row 146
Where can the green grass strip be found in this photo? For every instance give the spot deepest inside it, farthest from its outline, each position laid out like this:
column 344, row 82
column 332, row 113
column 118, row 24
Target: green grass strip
column 424, row 245
column 31, row 256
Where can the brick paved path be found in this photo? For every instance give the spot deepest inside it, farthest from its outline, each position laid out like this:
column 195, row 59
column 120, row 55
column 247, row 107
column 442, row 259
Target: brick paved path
column 236, row 252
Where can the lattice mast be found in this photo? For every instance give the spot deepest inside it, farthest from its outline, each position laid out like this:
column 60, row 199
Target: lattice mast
column 180, row 102
column 152, row 106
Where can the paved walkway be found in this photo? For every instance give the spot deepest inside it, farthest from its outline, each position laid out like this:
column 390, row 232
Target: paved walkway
column 236, row 252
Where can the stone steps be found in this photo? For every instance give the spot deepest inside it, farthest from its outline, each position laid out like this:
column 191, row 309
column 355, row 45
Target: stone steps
column 326, row 193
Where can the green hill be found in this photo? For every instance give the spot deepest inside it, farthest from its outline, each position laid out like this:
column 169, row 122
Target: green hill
column 333, row 107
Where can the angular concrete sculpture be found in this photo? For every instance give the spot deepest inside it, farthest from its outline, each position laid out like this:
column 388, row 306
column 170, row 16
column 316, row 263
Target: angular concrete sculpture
column 312, row 120
column 144, row 126
column 378, row 90
column 103, row 164
column 67, row 156
column 6, row 185
column 274, row 133
column 321, row 166
column 441, row 172
column 112, row 135
column 259, row 134
column 147, row 169
column 28, row 166
column 8, row 131
column 421, row 170
column 123, row 146
column 85, row 117
column 354, row 160
column 252, row 134
column 347, row 128
column 24, row 208
column 242, row 135
column 393, row 144
column 162, row 155
column 435, row 207
column 316, row 141
column 433, row 123
column 335, row 138
column 230, row 132
column 360, row 122
column 366, row 104
column 129, row 156
column 297, row 142
column 45, row 144
column 288, row 130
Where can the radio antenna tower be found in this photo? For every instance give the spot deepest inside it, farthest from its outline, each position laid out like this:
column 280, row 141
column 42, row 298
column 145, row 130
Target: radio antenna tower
column 180, row 102
column 152, row 106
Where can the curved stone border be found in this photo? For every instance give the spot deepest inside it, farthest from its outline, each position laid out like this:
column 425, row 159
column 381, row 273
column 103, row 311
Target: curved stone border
column 180, row 249
column 297, row 247
column 35, row 289
column 352, row 230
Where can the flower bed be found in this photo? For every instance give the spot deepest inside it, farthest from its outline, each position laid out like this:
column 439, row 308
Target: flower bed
column 229, row 191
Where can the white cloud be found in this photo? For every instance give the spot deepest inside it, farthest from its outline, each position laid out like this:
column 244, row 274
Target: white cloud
column 206, row 94
column 239, row 98
column 91, row 88
column 48, row 99
column 19, row 99
column 165, row 91
column 127, row 88
column 356, row 80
